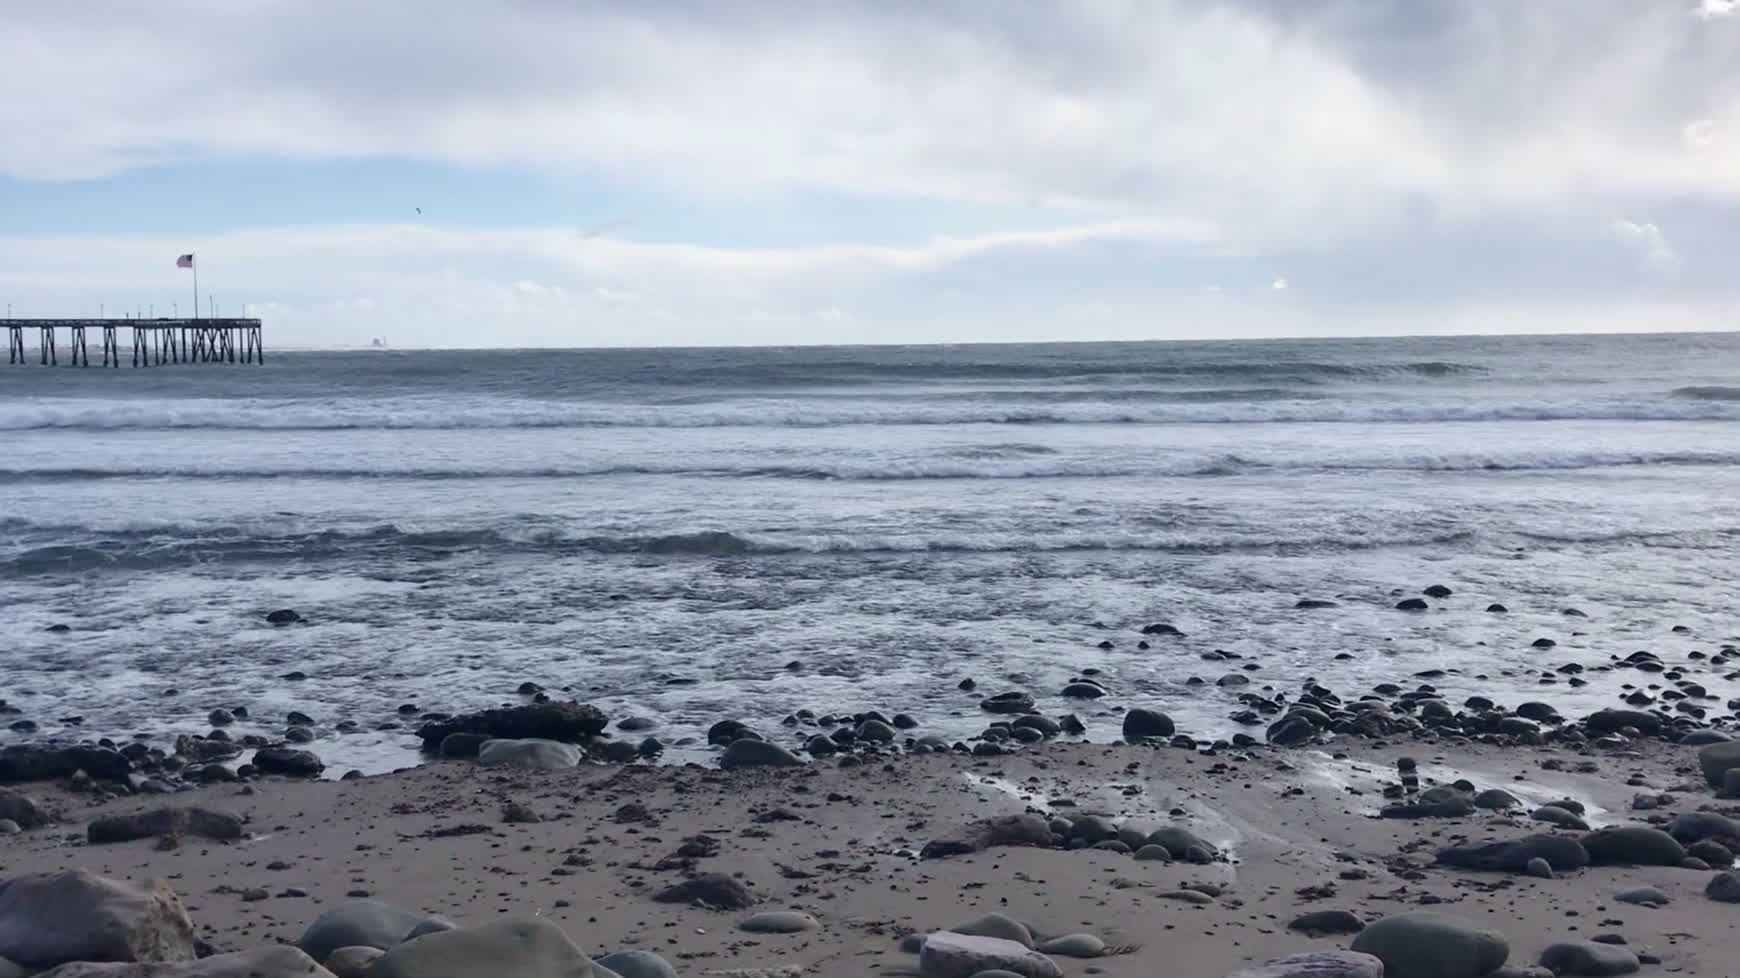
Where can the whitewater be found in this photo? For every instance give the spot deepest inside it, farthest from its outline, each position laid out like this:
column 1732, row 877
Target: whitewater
column 666, row 531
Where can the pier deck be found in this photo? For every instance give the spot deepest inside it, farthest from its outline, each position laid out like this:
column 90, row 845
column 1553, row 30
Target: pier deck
column 156, row 342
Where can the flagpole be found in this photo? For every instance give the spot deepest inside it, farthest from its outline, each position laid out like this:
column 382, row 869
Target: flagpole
column 194, row 262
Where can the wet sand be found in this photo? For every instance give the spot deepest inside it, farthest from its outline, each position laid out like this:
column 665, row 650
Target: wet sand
column 842, row 844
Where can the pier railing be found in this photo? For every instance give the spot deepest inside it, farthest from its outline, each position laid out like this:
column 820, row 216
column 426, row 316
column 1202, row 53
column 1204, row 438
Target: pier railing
column 156, row 342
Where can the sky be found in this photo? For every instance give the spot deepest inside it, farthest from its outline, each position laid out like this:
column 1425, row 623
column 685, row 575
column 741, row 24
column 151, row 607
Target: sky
column 660, row 172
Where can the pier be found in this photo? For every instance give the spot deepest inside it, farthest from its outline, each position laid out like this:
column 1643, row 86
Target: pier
column 156, row 342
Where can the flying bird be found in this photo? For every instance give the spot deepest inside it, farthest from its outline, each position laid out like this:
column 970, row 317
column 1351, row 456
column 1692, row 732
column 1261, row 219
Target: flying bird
column 419, row 210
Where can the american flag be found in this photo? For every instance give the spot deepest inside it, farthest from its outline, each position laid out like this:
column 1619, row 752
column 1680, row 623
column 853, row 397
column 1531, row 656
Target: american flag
column 185, row 261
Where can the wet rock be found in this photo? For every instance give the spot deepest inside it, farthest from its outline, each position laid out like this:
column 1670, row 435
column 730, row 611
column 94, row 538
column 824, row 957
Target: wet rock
column 1412, row 604
column 1716, row 760
column 1328, row 922
column 530, row 753
column 726, row 732
column 1162, row 629
column 288, row 761
column 299, row 735
column 1636, row 845
column 52, row 918
column 46, row 762
column 1588, row 959
column 713, row 890
column 1291, row 731
column 525, row 947
column 1612, row 721
column 757, row 753
column 1423, row 944
column 779, row 922
column 1007, row 830
column 948, row 955
column 365, row 923
column 1140, row 724
column 1318, row 964
column 202, row 822
column 567, row 722
column 283, row 616
column 1724, row 887
column 635, row 964
column 1562, row 853
column 1083, row 691
column 875, row 732
column 1313, row 604
column 1010, row 702
column 461, row 746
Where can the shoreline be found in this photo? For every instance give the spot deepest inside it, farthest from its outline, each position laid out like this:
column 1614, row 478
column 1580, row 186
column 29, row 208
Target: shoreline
column 1291, row 826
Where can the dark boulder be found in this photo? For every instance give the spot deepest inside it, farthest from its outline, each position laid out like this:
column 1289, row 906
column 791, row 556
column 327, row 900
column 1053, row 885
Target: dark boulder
column 568, row 722
column 288, row 761
column 1562, row 853
column 1633, row 845
column 1140, row 724
column 1010, row 702
column 202, row 822
column 1690, row 827
column 1437, row 591
column 713, row 890
column 46, row 762
column 283, row 616
column 756, row 753
column 1612, row 721
column 1412, row 604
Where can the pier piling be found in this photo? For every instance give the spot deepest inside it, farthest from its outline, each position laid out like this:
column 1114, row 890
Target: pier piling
column 156, row 342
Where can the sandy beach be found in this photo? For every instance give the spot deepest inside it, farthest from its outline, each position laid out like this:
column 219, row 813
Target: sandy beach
column 589, row 849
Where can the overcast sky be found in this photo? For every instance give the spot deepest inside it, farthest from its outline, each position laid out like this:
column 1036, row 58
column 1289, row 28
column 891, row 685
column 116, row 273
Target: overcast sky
column 879, row 171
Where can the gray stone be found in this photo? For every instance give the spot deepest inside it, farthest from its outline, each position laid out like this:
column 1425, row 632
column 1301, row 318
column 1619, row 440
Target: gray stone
column 1318, row 964
column 271, row 961
column 1643, row 896
column 996, row 925
column 1717, row 760
column 531, row 753
column 1588, row 959
column 1561, row 853
column 1636, row 845
column 779, row 922
column 1074, row 946
column 22, row 808
column 525, row 947
column 1153, row 852
column 635, row 964
column 365, row 923
column 1180, row 841
column 52, row 918
column 220, row 826
column 1564, row 819
column 352, row 962
column 1724, row 887
column 1328, row 922
column 948, row 955
column 757, row 753
column 1423, row 944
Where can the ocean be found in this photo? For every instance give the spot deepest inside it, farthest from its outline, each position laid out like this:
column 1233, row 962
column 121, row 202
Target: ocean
column 693, row 535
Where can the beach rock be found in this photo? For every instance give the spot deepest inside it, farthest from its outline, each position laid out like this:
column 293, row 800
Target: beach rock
column 271, row 961
column 1004, row 830
column 1318, row 964
column 1152, row 853
column 779, row 922
column 725, row 732
column 1183, row 844
column 1717, row 760
column 1689, row 827
column 1140, row 724
column 715, row 890
column 203, row 822
column 947, row 955
column 1724, row 887
column 757, row 753
column 46, row 762
column 1328, row 922
column 524, row 947
column 1555, row 815
column 352, row 962
column 283, row 616
column 1713, row 853
column 1083, row 691
column 1698, row 738
column 1643, row 896
column 1291, row 731
column 1412, row 604
column 1612, row 721
column 365, row 923
column 1636, row 845
column 1424, row 944
column 288, row 761
column 52, row 918
column 22, row 809
column 1496, row 799
column 633, row 964
column 1010, row 702
column 1588, row 959
column 875, row 732
column 566, row 722
column 1562, row 853
column 1074, row 946
column 996, row 925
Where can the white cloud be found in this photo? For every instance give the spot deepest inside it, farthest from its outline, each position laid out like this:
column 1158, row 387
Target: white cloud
column 1279, row 285
column 1712, row 9
column 1651, row 245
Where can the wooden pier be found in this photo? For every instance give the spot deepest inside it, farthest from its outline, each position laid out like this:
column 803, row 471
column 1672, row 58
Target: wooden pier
column 156, row 342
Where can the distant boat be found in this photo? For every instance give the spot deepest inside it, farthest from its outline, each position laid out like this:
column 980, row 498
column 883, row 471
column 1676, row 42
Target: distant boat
column 378, row 343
